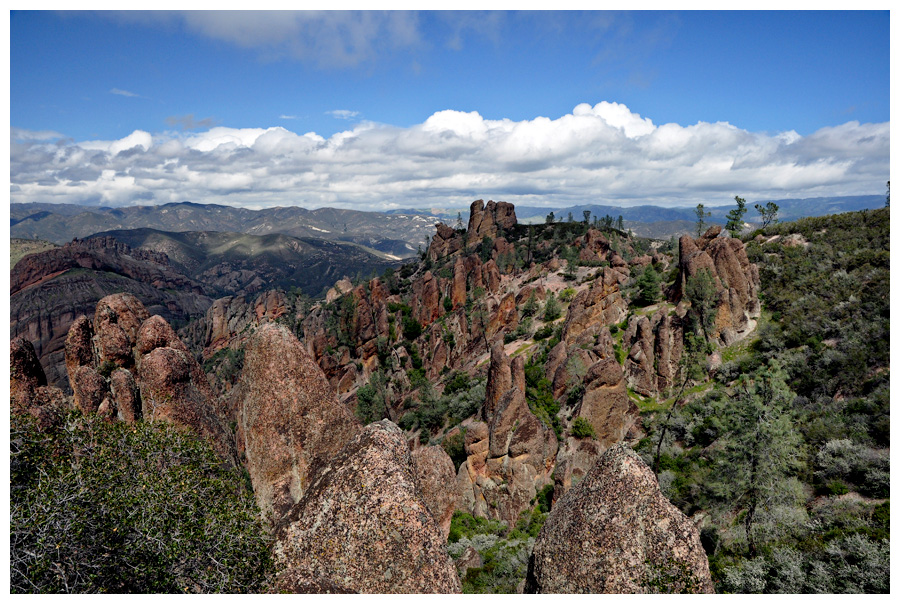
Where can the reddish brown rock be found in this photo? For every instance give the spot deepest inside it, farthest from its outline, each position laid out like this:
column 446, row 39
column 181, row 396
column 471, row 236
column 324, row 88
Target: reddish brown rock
column 426, row 299
column 490, row 274
column 114, row 346
column 123, row 310
column 600, row 305
column 174, row 389
column 288, row 416
column 25, row 371
column 362, row 524
column 446, row 242
column 505, row 317
column 89, row 389
column 156, row 332
column 126, row 396
column 605, row 404
column 632, row 537
column 437, row 480
column 79, row 349
column 458, row 286
column 489, row 220
column 639, row 364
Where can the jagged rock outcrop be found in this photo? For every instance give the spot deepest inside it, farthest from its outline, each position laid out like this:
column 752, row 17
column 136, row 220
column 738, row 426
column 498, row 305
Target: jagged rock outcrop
column 615, row 532
column 488, row 220
column 362, row 525
column 654, row 345
column 510, row 454
column 288, row 418
column 437, row 480
column 591, row 309
column 446, row 242
column 127, row 365
column 50, row 290
column 28, row 389
column 736, row 280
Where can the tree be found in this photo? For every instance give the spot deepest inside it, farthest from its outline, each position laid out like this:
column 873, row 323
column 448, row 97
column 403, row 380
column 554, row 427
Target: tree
column 459, row 224
column 700, row 290
column 552, row 310
column 735, row 218
column 587, row 217
column 701, row 214
column 763, row 447
column 887, row 199
column 769, row 213
column 620, row 223
column 487, row 246
column 570, row 218
column 607, row 221
column 690, row 368
column 550, row 218
column 648, row 286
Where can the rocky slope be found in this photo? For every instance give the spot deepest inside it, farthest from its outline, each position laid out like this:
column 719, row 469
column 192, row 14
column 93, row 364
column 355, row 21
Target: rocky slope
column 496, row 373
column 50, row 289
column 241, row 264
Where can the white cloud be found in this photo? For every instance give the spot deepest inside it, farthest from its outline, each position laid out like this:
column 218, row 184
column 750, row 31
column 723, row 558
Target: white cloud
column 121, row 92
column 596, row 154
column 342, row 114
column 327, row 39
column 287, row 117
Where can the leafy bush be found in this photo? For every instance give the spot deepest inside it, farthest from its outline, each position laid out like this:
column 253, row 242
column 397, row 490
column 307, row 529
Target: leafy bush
column 141, row 508
column 455, row 447
column 552, row 309
column 581, row 428
column 412, row 329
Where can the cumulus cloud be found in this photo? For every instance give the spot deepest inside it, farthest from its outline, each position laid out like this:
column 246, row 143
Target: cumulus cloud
column 603, row 153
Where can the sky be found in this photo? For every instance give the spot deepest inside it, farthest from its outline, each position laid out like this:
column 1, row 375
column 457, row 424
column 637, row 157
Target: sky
column 384, row 110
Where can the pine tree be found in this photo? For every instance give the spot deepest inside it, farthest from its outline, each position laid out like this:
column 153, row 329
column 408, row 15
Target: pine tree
column 763, row 447
column 700, row 290
column 701, row 214
column 735, row 218
column 768, row 213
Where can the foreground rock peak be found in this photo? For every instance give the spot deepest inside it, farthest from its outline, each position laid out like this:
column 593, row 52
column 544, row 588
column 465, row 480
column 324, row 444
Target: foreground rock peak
column 362, row 525
column 615, row 532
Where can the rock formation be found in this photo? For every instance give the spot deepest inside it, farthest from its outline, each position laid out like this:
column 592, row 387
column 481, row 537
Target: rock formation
column 288, row 418
column 600, row 305
column 28, row 389
column 488, row 220
column 446, row 242
column 736, row 280
column 615, row 532
column 437, row 481
column 362, row 525
column 510, row 454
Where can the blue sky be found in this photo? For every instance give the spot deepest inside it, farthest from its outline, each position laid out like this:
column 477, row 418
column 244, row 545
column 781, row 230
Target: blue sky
column 381, row 110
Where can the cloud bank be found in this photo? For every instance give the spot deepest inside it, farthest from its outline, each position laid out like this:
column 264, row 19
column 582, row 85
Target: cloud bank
column 596, row 154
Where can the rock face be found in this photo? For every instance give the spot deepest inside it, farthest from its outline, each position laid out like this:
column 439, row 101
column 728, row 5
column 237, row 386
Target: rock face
column 28, row 390
column 362, row 525
column 288, row 418
column 437, row 480
column 654, row 345
column 510, row 455
column 615, row 532
column 446, row 242
column 487, row 220
column 736, row 280
column 601, row 305
column 127, row 365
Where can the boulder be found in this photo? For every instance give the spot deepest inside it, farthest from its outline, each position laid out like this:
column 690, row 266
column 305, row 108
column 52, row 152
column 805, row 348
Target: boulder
column 615, row 532
column 362, row 524
column 288, row 418
column 79, row 349
column 437, row 479
column 446, row 242
column 126, row 396
column 89, row 389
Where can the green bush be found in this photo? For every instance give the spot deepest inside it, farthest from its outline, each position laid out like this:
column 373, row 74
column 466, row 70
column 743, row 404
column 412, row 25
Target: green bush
column 129, row 508
column 581, row 428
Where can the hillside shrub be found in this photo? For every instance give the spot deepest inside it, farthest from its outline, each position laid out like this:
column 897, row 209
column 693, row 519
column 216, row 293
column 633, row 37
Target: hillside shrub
column 129, row 508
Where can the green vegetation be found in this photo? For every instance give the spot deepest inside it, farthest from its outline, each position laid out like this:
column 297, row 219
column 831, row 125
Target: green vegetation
column 786, row 453
column 581, row 428
column 145, row 508
column 735, row 218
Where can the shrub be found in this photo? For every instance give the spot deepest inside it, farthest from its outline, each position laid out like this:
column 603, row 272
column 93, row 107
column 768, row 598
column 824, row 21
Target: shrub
column 412, row 329
column 581, row 428
column 129, row 508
